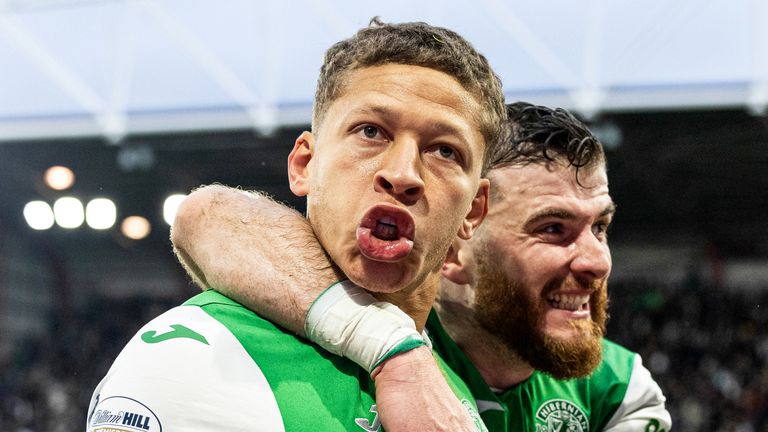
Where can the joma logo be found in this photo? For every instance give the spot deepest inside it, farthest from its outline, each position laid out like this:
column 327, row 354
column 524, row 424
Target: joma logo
column 367, row 425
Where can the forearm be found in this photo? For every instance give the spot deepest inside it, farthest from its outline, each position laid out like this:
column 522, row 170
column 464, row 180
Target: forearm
column 266, row 257
column 412, row 395
column 254, row 250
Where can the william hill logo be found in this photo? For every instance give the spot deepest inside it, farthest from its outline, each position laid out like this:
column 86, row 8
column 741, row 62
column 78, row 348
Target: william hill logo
column 121, row 414
column 106, row 417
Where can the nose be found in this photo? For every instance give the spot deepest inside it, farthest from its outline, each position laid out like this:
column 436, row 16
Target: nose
column 399, row 173
column 592, row 258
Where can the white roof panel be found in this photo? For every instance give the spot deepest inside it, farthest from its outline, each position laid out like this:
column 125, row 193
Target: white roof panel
column 118, row 67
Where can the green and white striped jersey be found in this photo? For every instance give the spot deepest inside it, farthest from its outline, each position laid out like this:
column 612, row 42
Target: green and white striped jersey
column 213, row 365
column 620, row 396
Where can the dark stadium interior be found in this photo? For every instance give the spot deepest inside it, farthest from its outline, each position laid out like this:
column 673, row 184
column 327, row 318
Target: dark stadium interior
column 699, row 175
column 692, row 181
column 146, row 99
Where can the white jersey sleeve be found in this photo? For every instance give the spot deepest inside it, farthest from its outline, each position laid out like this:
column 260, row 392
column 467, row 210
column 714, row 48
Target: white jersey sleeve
column 184, row 371
column 643, row 407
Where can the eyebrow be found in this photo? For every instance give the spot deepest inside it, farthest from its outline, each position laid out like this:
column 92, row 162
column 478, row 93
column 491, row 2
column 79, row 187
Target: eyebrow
column 378, row 110
column 374, row 109
column 436, row 128
column 558, row 213
column 609, row 210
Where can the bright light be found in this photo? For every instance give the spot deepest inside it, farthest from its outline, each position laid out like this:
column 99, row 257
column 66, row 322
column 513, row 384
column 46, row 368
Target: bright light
column 68, row 212
column 170, row 206
column 59, row 177
column 100, row 213
column 39, row 215
column 135, row 227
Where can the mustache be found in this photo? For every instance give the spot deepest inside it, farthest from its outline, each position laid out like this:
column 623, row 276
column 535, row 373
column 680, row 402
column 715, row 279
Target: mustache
column 572, row 283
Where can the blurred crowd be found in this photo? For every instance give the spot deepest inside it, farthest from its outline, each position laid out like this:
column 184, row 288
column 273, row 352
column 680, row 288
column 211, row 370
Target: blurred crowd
column 48, row 381
column 706, row 346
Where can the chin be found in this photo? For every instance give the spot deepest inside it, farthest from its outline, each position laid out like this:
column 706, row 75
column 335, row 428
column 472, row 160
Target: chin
column 380, row 277
column 566, row 328
column 566, row 335
column 573, row 339
column 571, row 357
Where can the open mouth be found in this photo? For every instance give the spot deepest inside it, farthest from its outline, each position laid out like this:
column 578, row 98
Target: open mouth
column 386, row 229
column 386, row 233
column 569, row 302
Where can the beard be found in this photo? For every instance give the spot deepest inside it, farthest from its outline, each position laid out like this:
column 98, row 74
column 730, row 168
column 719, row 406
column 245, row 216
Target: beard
column 516, row 314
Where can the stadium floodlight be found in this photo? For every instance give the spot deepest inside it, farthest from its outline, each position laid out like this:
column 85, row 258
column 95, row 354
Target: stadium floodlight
column 170, row 206
column 100, row 213
column 59, row 177
column 135, row 227
column 68, row 212
column 39, row 215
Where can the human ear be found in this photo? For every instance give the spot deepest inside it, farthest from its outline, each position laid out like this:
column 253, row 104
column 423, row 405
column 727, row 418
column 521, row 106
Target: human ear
column 455, row 267
column 477, row 211
column 298, row 163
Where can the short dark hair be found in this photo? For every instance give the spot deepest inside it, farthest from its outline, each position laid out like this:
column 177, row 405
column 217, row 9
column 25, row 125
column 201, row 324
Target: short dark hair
column 537, row 134
column 417, row 44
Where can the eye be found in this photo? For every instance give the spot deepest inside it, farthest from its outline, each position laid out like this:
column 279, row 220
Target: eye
column 446, row 152
column 553, row 233
column 600, row 229
column 552, row 229
column 370, row 131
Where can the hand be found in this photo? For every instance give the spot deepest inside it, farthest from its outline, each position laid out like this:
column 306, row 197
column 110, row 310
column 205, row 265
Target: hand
column 412, row 395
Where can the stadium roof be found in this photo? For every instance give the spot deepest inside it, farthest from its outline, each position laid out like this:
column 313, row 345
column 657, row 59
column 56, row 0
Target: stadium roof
column 113, row 68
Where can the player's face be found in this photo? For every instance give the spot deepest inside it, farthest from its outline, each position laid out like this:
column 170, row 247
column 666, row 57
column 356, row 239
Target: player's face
column 542, row 265
column 393, row 174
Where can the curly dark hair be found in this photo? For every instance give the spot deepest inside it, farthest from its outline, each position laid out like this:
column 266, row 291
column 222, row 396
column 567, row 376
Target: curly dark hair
column 538, row 134
column 417, row 44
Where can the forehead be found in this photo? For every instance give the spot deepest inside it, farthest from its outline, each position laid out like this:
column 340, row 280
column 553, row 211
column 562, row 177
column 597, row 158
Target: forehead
column 522, row 191
column 408, row 97
column 404, row 75
column 395, row 83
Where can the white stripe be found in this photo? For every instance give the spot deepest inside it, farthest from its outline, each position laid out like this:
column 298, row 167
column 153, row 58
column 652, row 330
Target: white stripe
column 484, row 405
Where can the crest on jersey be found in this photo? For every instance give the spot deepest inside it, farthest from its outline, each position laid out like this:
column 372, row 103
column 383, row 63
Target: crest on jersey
column 559, row 415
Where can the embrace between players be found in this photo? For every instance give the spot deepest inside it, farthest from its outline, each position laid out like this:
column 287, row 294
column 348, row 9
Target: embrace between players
column 420, row 184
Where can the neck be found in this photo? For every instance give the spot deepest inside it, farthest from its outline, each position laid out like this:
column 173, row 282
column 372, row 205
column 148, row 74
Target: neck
column 415, row 301
column 499, row 365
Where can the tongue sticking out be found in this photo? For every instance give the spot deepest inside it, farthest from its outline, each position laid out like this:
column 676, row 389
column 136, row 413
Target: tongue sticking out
column 385, row 237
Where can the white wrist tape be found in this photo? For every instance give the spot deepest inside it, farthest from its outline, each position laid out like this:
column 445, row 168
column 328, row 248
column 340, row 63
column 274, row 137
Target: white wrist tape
column 348, row 321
